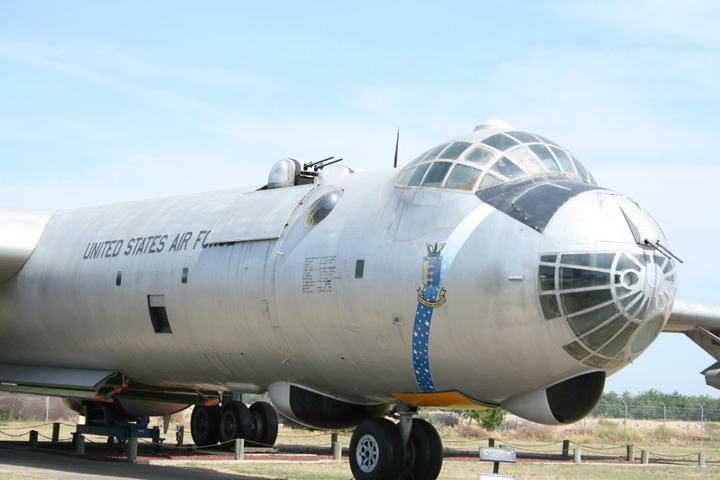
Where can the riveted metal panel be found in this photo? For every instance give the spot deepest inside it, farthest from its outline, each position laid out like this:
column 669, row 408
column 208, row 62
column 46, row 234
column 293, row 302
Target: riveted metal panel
column 56, row 377
column 260, row 215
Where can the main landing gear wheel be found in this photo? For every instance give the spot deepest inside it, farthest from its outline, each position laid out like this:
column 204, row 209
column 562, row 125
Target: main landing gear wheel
column 264, row 425
column 204, row 425
column 424, row 452
column 235, row 422
column 377, row 451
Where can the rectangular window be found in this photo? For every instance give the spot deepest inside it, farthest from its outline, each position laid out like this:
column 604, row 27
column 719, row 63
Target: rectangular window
column 158, row 314
column 359, row 268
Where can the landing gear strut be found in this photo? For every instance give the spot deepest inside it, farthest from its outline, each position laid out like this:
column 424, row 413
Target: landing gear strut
column 381, row 450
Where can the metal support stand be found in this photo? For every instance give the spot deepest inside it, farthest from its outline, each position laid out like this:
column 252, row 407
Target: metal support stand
column 79, row 442
column 132, row 449
column 108, row 422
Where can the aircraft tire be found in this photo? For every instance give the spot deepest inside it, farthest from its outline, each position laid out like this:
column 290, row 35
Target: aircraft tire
column 234, row 422
column 204, row 425
column 377, row 451
column 424, row 452
column 264, row 425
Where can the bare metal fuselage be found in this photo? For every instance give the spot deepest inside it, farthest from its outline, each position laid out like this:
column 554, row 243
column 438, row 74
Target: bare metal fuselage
column 241, row 290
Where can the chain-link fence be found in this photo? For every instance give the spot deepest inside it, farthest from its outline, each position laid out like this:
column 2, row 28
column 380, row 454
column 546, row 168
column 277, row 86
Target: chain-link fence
column 656, row 412
column 698, row 421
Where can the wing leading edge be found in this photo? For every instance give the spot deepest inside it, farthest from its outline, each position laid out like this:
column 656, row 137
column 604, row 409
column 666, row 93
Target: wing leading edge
column 701, row 323
column 21, row 231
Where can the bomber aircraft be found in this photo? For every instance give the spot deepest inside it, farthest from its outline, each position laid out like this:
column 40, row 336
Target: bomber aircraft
column 491, row 271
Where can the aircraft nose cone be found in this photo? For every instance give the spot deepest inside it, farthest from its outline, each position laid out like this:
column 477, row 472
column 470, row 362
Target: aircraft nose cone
column 654, row 279
column 600, row 276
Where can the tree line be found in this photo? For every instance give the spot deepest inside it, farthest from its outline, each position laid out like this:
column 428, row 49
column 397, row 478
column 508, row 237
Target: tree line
column 654, row 404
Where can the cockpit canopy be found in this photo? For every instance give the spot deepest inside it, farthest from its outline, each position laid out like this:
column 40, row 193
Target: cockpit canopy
column 494, row 153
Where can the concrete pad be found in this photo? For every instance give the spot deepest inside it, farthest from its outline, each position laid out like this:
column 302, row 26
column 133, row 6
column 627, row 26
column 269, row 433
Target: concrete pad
column 44, row 464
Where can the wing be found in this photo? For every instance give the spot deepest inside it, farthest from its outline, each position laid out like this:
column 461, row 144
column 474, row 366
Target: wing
column 701, row 323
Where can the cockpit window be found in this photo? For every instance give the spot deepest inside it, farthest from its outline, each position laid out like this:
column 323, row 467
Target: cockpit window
column 507, row 169
column 524, row 137
column 564, row 159
column 489, row 180
column 480, row 155
column 463, row 177
column 582, row 171
column 524, row 158
column 418, row 175
column 436, row 175
column 455, row 150
column 473, row 165
column 547, row 158
column 429, row 155
column 500, row 141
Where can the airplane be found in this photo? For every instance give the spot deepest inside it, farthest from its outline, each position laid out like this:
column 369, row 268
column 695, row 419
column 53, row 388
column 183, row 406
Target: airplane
column 491, row 271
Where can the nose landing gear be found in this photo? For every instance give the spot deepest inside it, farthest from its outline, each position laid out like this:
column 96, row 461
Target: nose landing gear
column 379, row 451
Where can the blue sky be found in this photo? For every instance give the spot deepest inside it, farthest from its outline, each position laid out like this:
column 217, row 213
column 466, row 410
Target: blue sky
column 103, row 102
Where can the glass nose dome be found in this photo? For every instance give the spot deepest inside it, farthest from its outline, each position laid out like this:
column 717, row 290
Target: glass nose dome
column 615, row 303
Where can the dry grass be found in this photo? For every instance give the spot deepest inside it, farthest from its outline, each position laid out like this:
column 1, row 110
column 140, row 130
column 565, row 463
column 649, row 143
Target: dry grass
column 593, row 430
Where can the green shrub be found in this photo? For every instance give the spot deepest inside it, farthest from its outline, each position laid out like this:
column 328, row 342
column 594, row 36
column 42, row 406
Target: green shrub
column 488, row 419
column 9, row 413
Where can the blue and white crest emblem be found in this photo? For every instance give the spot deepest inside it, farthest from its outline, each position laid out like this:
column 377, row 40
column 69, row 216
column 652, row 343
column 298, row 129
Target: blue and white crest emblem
column 430, row 296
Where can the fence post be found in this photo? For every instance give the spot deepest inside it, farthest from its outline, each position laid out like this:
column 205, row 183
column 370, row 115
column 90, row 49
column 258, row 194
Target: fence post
column 630, row 453
column 664, row 419
column 491, row 442
column 626, row 409
column 701, row 459
column 56, row 433
column 577, row 456
column 33, row 439
column 644, row 457
column 337, row 448
column 566, row 448
column 179, row 435
column 239, row 449
column 702, row 419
